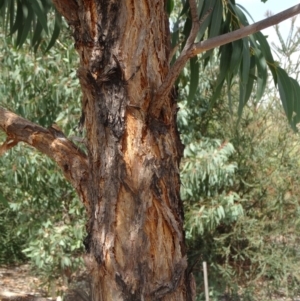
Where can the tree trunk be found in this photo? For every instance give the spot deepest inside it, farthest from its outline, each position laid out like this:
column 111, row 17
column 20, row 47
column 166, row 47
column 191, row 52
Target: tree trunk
column 135, row 244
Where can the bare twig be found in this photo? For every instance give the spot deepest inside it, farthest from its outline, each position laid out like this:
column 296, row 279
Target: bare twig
column 191, row 49
column 195, row 25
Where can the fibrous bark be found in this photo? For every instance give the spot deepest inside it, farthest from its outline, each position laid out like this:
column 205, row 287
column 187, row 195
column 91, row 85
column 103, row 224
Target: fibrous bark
column 135, row 243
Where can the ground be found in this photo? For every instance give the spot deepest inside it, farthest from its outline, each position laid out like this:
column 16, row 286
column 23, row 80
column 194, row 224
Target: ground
column 17, row 283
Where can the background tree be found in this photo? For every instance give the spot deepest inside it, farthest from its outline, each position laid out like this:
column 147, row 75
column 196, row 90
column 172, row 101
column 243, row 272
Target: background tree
column 128, row 176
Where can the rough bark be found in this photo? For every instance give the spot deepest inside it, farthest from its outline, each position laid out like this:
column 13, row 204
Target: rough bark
column 135, row 234
column 135, row 243
column 129, row 178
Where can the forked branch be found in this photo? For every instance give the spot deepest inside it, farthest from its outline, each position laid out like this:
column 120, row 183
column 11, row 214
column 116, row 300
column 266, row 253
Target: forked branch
column 174, row 72
column 69, row 158
column 191, row 49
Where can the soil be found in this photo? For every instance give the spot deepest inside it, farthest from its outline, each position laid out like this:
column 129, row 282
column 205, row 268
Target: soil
column 17, row 283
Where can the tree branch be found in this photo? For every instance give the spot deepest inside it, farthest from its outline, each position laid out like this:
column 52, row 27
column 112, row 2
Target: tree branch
column 65, row 153
column 195, row 25
column 168, row 83
column 191, row 50
column 245, row 31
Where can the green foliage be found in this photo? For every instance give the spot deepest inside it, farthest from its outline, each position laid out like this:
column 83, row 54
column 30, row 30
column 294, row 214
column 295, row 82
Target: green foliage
column 42, row 87
column 55, row 248
column 40, row 214
column 206, row 168
column 11, row 241
column 44, row 219
column 29, row 18
column 240, row 192
column 206, row 173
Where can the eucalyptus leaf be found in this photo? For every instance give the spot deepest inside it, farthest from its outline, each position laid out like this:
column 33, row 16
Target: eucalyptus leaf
column 262, row 73
column 170, row 6
column 286, row 92
column 194, row 77
column 56, row 31
column 41, row 12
